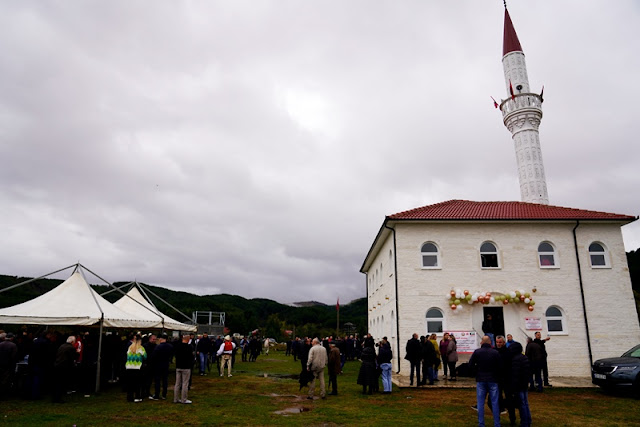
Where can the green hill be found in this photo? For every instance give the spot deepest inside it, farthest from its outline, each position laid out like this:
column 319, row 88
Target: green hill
column 242, row 314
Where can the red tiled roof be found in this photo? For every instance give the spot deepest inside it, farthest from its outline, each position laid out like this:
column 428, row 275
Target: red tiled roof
column 469, row 210
column 510, row 42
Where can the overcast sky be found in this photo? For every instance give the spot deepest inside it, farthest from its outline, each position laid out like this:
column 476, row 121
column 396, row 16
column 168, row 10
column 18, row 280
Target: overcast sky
column 255, row 147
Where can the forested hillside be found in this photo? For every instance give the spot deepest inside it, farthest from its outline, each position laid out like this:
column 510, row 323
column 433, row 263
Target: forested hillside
column 242, row 315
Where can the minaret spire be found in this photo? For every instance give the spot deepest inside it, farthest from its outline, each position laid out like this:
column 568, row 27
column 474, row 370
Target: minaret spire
column 522, row 113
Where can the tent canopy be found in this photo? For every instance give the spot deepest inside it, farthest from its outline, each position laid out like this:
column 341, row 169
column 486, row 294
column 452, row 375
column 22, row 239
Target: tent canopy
column 73, row 302
column 134, row 302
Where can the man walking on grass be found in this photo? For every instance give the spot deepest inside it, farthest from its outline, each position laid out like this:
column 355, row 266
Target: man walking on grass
column 487, row 362
column 315, row 364
column 225, row 351
column 184, row 363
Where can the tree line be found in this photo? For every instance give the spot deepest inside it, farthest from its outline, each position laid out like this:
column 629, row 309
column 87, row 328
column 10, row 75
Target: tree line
column 242, row 315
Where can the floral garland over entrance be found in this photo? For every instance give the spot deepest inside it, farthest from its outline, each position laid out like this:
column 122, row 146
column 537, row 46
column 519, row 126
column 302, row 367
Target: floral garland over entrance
column 457, row 297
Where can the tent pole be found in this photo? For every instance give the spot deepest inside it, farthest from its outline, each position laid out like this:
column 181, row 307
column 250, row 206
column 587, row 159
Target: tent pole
column 37, row 278
column 99, row 355
column 155, row 295
column 146, row 296
column 115, row 288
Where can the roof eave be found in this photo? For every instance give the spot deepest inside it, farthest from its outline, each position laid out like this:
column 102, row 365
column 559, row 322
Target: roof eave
column 382, row 232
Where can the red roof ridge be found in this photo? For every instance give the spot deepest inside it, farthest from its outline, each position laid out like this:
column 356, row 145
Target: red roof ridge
column 457, row 209
column 510, row 42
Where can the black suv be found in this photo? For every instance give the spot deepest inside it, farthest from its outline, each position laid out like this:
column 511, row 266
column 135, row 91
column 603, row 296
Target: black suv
column 623, row 371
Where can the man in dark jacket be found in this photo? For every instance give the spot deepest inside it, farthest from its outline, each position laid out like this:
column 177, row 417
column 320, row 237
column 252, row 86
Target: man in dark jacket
column 429, row 358
column 184, row 364
column 545, row 370
column 414, row 355
column 486, row 361
column 8, row 360
column 503, row 383
column 536, row 357
column 203, row 349
column 160, row 361
column 334, row 366
column 147, row 372
column 63, row 368
column 519, row 380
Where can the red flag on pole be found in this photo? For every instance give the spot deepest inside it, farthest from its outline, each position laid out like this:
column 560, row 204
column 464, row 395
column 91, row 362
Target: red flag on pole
column 511, row 90
column 338, row 305
column 495, row 104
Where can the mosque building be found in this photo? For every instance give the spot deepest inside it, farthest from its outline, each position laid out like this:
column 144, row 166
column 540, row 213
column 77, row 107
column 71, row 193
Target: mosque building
column 531, row 265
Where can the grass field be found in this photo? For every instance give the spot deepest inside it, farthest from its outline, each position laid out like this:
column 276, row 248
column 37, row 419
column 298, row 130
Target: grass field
column 257, row 391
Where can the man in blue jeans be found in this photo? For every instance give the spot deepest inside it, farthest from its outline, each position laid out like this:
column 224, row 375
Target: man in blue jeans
column 203, row 348
column 486, row 361
column 384, row 361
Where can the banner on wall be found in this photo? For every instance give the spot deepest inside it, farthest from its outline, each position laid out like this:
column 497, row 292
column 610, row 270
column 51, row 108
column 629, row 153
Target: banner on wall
column 466, row 341
column 533, row 323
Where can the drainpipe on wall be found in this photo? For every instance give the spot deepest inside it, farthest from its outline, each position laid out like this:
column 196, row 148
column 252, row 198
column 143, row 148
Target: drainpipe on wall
column 395, row 275
column 584, row 306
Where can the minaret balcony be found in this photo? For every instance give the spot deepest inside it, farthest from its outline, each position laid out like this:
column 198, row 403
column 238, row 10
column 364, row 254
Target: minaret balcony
column 521, row 102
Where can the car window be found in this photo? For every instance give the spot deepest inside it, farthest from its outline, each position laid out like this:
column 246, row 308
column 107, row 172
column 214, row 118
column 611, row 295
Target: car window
column 634, row 352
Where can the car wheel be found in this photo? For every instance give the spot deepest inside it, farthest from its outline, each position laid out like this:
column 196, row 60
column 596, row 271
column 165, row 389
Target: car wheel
column 636, row 387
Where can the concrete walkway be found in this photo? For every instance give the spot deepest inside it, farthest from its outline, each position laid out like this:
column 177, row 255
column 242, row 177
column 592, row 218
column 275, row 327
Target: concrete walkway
column 402, row 381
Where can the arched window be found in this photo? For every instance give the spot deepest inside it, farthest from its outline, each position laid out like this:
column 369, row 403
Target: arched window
column 430, row 255
column 489, row 255
column 555, row 320
column 393, row 325
column 598, row 255
column 434, row 321
column 546, row 255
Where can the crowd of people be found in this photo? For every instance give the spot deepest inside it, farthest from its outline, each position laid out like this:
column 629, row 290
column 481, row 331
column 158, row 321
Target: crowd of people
column 50, row 362
column 33, row 365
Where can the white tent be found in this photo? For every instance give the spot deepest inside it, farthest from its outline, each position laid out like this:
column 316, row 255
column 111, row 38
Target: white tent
column 73, row 302
column 134, row 302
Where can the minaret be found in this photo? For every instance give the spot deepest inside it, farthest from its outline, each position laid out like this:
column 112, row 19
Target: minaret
column 521, row 113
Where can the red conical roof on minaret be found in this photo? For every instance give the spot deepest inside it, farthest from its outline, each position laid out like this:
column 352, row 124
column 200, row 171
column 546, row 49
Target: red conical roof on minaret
column 510, row 42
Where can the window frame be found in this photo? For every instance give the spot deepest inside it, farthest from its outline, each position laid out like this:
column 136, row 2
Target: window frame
column 496, row 253
column 604, row 254
column 435, row 254
column 547, row 253
column 434, row 319
column 561, row 318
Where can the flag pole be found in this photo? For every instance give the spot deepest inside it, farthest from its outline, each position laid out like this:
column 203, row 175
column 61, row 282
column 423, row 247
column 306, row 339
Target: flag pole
column 338, row 318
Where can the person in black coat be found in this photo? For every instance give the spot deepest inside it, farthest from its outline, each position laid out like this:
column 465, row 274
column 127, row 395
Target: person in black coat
column 536, row 357
column 368, row 376
column 429, row 359
column 63, row 368
column 160, row 361
column 414, row 355
column 519, row 379
column 303, row 354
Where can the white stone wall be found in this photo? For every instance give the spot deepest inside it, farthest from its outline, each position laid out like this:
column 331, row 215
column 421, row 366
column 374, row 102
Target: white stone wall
column 381, row 296
column 611, row 309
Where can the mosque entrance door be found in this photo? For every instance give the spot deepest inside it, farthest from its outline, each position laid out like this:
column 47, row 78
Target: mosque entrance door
column 497, row 319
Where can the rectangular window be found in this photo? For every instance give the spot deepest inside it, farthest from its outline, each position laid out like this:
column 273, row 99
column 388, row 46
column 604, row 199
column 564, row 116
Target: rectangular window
column 434, row 327
column 429, row 260
column 598, row 260
column 547, row 261
column 489, row 260
column 554, row 325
